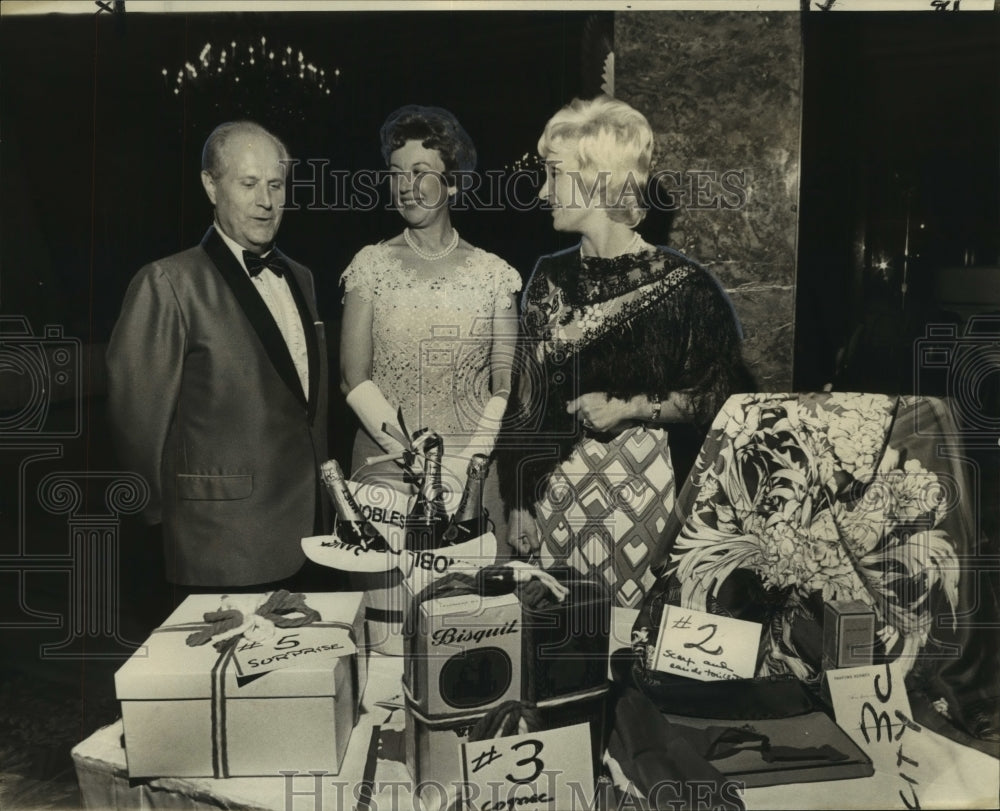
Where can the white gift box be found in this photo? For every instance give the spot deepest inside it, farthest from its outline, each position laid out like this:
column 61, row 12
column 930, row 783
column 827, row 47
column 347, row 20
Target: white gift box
column 188, row 711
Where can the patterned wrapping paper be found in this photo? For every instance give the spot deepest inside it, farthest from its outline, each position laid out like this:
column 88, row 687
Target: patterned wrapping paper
column 518, row 642
column 605, row 509
column 797, row 500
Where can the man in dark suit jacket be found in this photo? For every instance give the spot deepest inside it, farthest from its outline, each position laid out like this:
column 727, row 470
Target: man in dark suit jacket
column 217, row 382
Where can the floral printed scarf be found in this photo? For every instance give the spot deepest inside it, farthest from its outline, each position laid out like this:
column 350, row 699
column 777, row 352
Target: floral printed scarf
column 823, row 497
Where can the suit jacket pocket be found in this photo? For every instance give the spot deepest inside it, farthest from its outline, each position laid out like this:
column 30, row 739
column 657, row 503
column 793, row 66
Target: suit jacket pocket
column 213, row 488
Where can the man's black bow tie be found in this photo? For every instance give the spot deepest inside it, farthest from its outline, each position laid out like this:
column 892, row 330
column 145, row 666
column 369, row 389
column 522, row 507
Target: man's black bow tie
column 255, row 264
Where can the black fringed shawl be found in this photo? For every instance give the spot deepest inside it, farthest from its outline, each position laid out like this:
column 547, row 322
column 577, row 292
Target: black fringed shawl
column 642, row 323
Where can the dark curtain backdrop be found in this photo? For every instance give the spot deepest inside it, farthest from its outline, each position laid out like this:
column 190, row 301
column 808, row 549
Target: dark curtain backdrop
column 101, row 157
column 104, row 117
column 900, row 155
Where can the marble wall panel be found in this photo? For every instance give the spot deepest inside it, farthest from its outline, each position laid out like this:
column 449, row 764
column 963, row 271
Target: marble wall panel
column 722, row 91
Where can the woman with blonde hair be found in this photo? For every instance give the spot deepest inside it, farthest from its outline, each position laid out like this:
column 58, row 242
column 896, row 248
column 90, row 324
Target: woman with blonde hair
column 622, row 344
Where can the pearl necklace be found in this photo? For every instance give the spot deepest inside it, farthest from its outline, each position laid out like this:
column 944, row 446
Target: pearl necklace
column 430, row 257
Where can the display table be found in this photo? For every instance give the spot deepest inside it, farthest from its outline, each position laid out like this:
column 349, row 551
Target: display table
column 947, row 775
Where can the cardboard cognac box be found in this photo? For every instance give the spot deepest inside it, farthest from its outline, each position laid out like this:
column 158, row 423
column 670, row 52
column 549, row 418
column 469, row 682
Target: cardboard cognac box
column 187, row 711
column 559, row 657
column 463, row 653
column 470, row 652
column 434, row 744
column 848, row 634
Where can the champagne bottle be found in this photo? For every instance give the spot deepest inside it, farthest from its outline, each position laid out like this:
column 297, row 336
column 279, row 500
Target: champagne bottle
column 431, row 500
column 428, row 517
column 351, row 527
column 470, row 520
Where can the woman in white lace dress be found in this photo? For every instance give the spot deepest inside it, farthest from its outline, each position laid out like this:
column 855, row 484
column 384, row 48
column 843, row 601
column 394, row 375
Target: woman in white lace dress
column 429, row 320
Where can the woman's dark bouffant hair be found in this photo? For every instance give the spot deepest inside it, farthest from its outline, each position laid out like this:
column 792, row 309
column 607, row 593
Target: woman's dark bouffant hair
column 435, row 128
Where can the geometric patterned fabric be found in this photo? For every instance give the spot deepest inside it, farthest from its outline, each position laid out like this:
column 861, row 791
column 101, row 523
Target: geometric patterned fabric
column 605, row 510
column 822, row 497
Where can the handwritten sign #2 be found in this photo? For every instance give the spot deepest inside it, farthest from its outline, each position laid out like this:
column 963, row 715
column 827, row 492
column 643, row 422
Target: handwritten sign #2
column 706, row 646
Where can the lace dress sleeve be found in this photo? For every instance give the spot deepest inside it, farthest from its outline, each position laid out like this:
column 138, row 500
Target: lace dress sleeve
column 360, row 275
column 506, row 282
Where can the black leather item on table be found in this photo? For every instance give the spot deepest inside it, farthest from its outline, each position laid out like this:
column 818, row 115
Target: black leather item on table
column 653, row 757
column 744, row 699
column 566, row 643
column 655, row 750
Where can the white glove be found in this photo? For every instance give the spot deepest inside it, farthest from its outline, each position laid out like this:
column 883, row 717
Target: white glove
column 374, row 411
column 485, row 437
column 483, row 440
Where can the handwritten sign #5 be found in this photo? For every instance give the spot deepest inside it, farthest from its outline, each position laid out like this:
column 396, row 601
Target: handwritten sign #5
column 706, row 646
column 292, row 647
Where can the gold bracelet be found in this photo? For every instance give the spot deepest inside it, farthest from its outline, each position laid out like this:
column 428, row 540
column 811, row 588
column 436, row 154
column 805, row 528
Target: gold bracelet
column 655, row 415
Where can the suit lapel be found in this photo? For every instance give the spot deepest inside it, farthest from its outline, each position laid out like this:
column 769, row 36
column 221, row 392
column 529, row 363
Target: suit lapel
column 259, row 316
column 309, row 330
